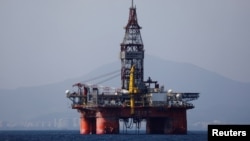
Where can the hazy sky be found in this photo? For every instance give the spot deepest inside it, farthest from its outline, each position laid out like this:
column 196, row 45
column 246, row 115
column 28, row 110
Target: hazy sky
column 47, row 41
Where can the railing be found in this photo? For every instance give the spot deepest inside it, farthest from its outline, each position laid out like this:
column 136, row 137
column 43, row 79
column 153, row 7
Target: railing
column 116, row 100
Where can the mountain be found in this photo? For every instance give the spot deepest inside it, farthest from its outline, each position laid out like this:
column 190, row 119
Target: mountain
column 221, row 100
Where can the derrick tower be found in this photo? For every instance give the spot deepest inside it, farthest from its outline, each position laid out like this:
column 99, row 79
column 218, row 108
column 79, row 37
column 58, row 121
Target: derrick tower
column 132, row 51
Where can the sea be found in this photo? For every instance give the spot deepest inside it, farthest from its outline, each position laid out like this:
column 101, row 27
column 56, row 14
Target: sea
column 73, row 135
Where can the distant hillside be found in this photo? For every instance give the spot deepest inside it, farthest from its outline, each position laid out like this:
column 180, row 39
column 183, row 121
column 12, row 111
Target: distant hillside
column 221, row 100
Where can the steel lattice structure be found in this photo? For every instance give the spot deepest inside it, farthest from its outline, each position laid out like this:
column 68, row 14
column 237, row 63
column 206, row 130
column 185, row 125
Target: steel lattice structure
column 132, row 51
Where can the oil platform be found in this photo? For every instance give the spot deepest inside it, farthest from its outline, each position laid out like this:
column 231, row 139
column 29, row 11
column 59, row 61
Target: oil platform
column 102, row 109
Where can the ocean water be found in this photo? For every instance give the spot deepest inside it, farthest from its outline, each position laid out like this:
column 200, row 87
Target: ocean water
column 73, row 135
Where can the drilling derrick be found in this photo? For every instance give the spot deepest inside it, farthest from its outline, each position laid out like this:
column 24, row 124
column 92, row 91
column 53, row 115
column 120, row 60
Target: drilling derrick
column 102, row 109
column 132, row 51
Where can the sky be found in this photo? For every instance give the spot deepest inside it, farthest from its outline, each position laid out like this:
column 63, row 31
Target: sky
column 49, row 41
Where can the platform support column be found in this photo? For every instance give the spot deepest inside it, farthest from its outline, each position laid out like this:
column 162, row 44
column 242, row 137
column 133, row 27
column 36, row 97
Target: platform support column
column 87, row 125
column 84, row 124
column 179, row 122
column 106, row 124
column 175, row 122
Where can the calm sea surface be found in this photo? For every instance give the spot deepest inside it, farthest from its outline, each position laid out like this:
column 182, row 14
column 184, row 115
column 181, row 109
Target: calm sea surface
column 73, row 135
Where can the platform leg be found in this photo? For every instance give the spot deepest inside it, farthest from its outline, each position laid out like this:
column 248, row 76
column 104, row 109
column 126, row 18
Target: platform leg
column 107, row 124
column 174, row 123
column 84, row 124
